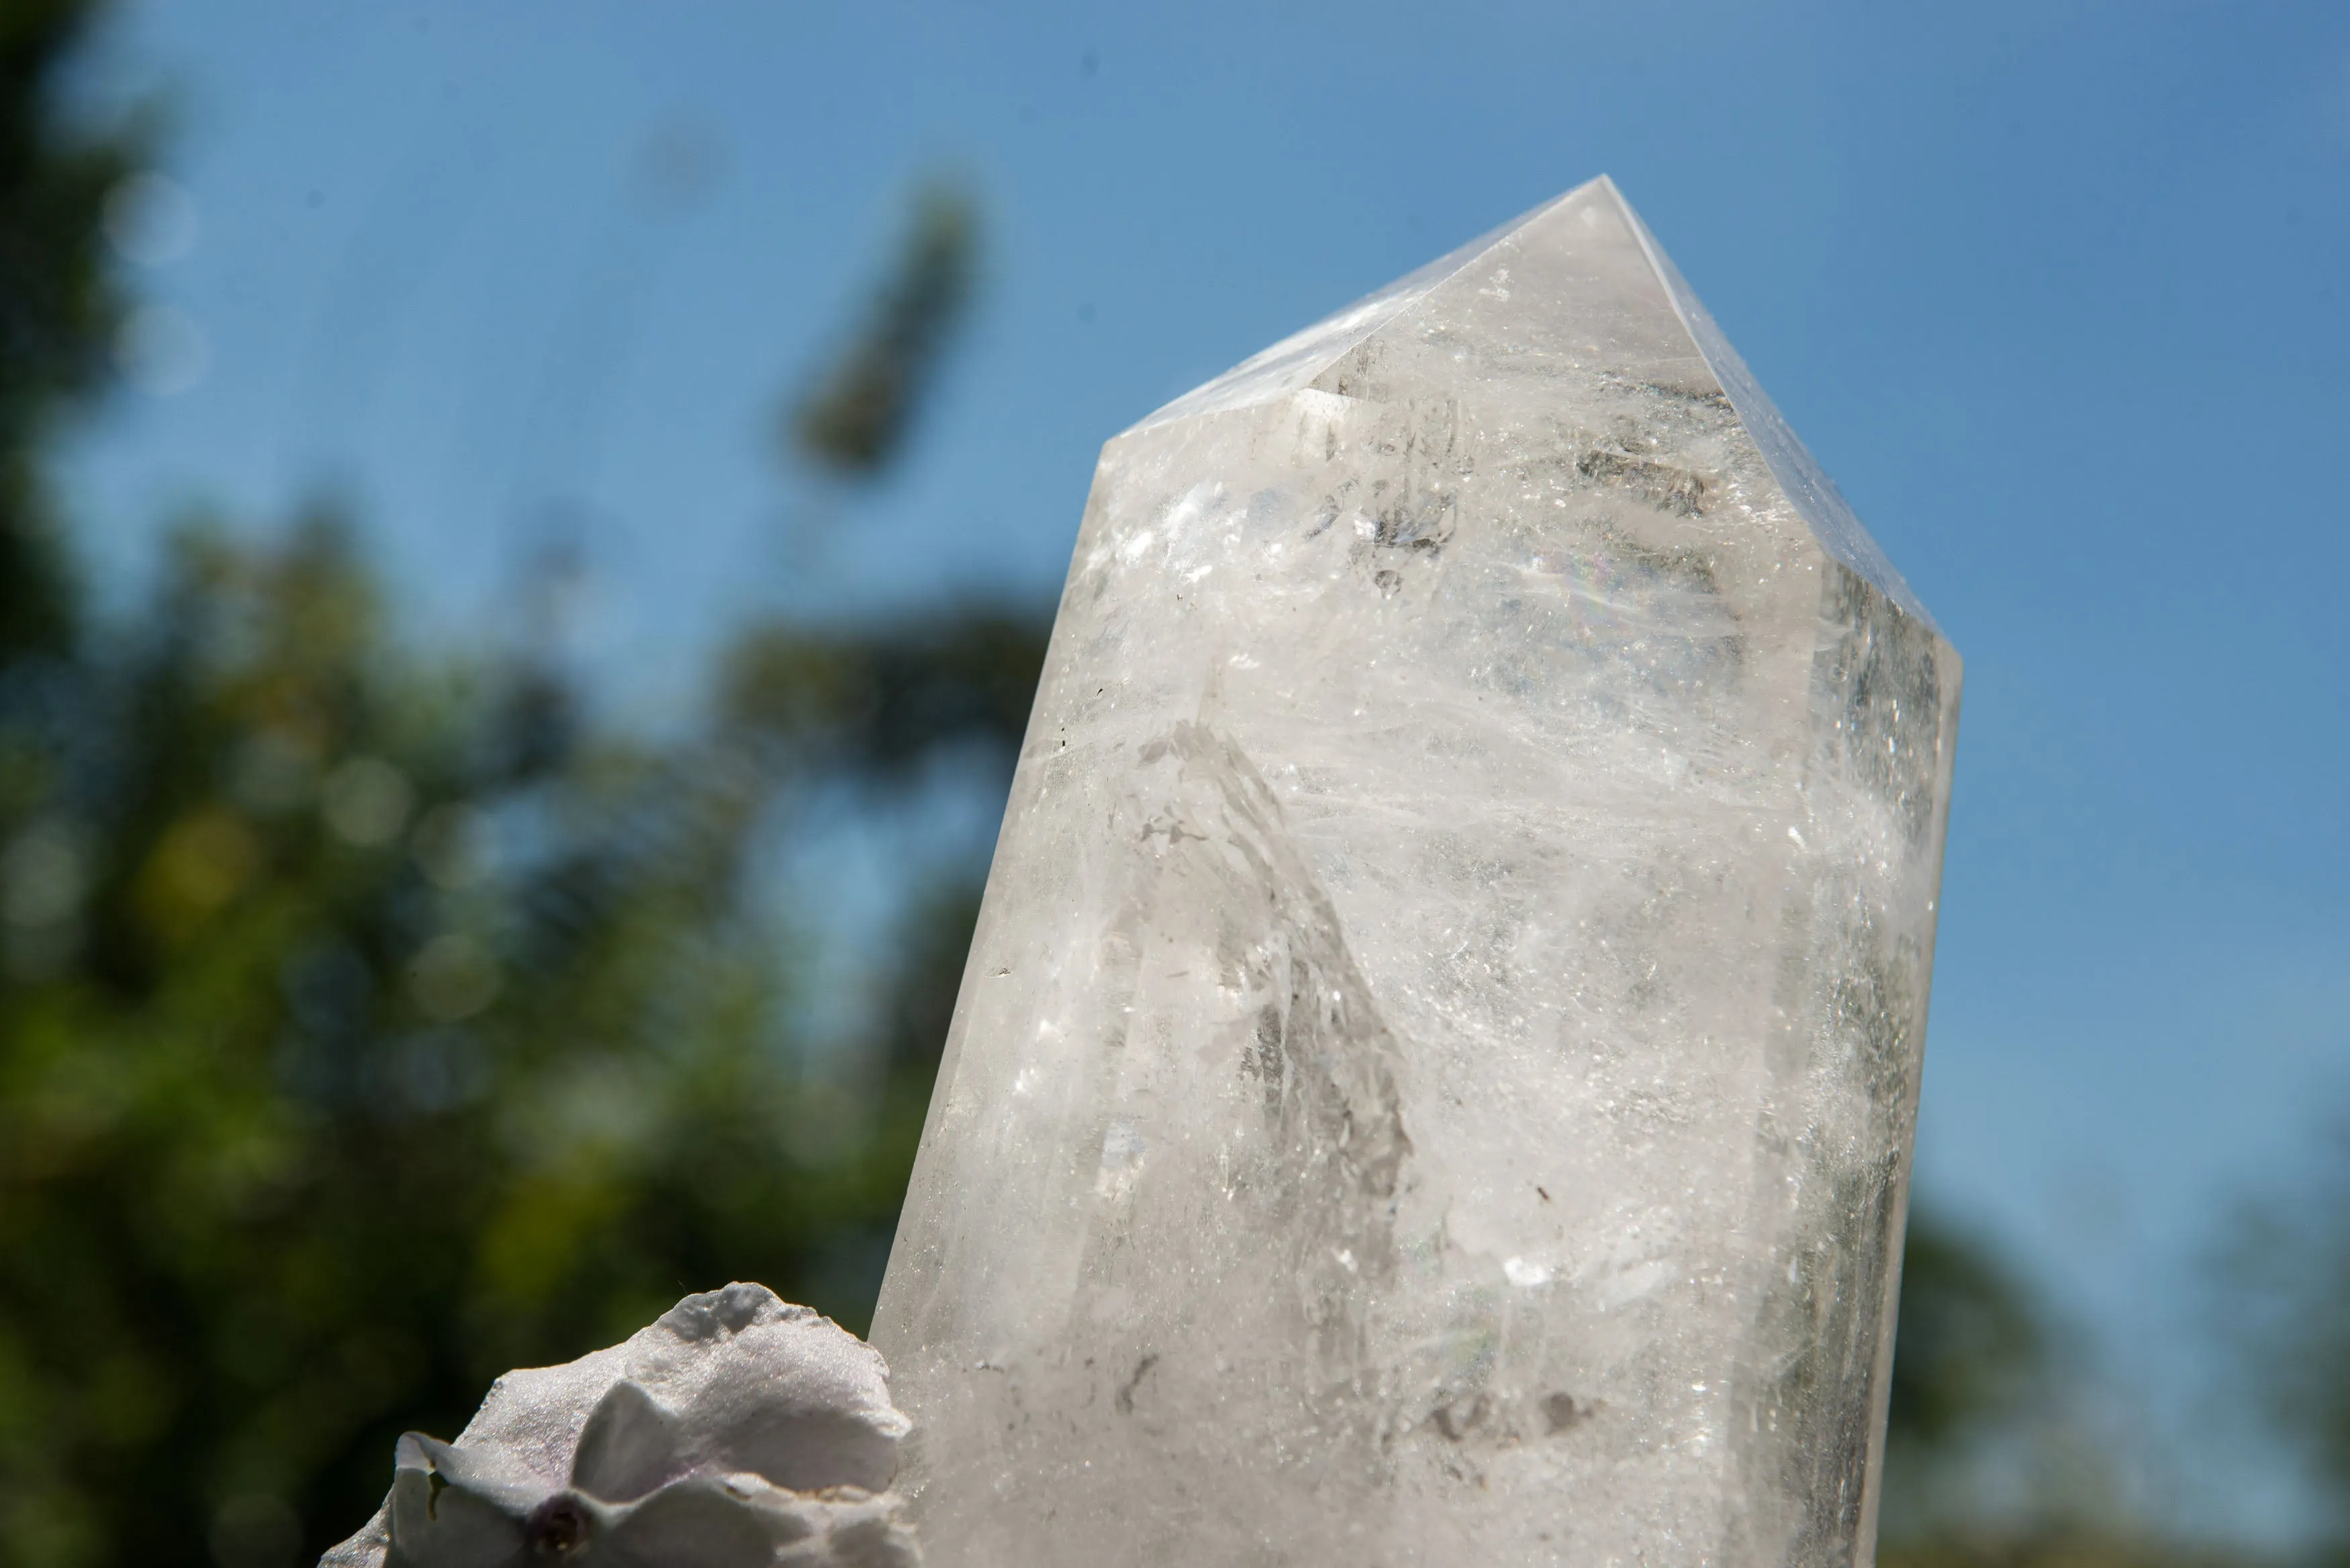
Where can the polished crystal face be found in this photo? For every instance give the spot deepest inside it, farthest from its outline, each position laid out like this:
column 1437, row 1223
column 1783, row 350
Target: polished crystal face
column 1434, row 1078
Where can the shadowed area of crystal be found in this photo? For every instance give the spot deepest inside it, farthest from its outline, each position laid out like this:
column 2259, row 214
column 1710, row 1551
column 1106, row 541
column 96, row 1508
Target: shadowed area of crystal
column 735, row 1432
column 1434, row 1078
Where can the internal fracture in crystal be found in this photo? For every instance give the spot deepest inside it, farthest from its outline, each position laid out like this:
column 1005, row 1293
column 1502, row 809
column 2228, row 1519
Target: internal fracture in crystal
column 1435, row 1074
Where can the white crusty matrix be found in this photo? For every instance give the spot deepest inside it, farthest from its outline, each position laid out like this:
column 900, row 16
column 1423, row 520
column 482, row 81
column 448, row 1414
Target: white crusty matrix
column 736, row 1431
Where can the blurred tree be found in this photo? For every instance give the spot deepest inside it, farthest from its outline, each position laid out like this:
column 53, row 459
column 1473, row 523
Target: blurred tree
column 2283, row 1289
column 1969, row 1362
column 368, row 1025
column 1969, row 1345
column 350, row 1053
column 858, row 418
column 59, row 309
column 1989, row 1462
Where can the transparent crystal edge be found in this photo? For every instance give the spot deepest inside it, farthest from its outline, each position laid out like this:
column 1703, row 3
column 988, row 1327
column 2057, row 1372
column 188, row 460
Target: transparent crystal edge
column 1291, row 364
column 1822, row 506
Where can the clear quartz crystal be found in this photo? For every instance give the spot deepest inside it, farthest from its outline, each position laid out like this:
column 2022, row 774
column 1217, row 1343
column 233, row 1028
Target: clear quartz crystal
column 1434, row 1078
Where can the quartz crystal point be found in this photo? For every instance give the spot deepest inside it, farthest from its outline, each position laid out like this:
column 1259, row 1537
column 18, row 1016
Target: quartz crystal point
column 1434, row 1078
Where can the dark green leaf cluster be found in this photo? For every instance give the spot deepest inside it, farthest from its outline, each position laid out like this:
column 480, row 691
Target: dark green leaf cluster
column 351, row 1052
column 58, row 306
column 857, row 419
column 1970, row 1347
column 1989, row 1461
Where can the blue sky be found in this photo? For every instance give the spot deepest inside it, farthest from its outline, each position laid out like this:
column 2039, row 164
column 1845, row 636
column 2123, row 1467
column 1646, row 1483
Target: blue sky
column 2056, row 290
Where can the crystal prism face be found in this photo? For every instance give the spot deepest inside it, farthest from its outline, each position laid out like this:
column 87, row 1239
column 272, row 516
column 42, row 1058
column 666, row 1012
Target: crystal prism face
column 1434, row 1078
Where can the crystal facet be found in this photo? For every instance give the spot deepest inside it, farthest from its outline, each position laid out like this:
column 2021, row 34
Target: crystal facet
column 1434, row 1078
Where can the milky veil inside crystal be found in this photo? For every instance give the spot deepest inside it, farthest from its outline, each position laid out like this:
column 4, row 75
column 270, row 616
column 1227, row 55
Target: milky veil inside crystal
column 1434, row 1078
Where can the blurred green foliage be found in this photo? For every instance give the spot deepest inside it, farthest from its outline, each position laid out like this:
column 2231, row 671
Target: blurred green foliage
column 58, row 306
column 2281, row 1290
column 369, row 1025
column 1986, row 1464
column 858, row 419
column 367, row 1029
column 1969, row 1345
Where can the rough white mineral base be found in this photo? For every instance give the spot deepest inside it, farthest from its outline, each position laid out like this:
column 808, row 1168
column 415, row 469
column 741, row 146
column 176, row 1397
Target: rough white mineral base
column 1434, row 1079
column 735, row 1432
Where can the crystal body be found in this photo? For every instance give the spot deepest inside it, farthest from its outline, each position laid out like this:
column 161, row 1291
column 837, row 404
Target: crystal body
column 1434, row 1078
